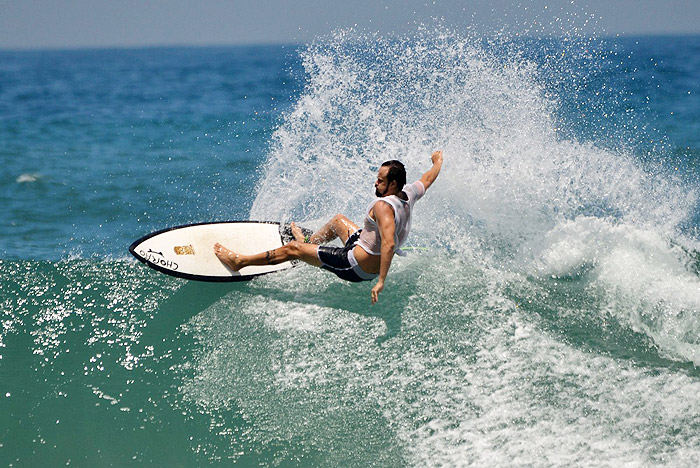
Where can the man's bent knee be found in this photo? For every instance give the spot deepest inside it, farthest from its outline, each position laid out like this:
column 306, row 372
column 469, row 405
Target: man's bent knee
column 296, row 250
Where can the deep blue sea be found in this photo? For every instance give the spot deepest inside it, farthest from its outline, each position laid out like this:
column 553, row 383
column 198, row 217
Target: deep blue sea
column 550, row 315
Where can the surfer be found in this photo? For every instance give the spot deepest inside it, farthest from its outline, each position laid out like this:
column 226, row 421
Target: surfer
column 367, row 252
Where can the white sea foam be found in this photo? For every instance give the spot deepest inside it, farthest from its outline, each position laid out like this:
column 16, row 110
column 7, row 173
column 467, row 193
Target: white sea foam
column 460, row 364
column 27, row 178
column 462, row 384
column 647, row 280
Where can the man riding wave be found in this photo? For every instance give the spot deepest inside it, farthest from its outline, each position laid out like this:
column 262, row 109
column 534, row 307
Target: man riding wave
column 367, row 253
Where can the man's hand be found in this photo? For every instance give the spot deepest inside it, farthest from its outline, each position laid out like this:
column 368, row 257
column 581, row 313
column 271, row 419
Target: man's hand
column 430, row 176
column 379, row 287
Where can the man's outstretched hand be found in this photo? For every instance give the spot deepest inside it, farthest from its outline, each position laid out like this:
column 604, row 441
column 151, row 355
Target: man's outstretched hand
column 379, row 287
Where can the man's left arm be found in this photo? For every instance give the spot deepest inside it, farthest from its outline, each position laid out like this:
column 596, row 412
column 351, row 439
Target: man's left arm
column 384, row 215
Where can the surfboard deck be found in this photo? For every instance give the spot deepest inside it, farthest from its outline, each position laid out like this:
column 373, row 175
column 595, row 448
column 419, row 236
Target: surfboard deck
column 187, row 251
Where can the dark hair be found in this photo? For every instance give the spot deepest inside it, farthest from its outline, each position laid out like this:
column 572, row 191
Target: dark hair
column 396, row 172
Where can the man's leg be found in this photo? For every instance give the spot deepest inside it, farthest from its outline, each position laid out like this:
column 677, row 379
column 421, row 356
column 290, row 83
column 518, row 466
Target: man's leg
column 340, row 226
column 292, row 251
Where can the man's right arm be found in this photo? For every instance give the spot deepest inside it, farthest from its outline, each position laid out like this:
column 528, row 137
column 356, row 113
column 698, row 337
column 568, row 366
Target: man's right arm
column 429, row 177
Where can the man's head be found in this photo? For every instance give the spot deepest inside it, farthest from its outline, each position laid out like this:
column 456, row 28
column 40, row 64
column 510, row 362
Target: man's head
column 390, row 179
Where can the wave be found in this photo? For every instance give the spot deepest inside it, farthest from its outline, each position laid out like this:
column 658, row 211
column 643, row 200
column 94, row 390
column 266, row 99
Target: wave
column 555, row 305
column 551, row 320
column 518, row 194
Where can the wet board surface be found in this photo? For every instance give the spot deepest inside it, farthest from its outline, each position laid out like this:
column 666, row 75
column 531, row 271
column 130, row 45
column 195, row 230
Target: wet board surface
column 188, row 251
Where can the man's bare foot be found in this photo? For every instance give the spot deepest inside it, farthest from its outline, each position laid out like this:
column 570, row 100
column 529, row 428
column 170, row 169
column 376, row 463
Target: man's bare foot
column 227, row 257
column 296, row 232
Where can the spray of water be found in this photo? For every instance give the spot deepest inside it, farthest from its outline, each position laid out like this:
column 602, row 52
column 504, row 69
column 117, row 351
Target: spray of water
column 513, row 185
column 529, row 229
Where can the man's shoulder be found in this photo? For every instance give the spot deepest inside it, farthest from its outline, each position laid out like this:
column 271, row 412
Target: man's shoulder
column 383, row 211
column 415, row 190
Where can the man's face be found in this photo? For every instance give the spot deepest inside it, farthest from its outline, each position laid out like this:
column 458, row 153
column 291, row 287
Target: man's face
column 381, row 186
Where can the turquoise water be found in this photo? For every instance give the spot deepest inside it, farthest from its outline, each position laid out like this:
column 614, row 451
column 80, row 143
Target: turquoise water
column 550, row 317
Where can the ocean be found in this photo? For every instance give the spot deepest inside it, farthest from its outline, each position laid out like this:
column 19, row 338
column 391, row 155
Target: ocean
column 548, row 314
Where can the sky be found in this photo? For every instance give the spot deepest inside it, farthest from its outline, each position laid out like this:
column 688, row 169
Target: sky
column 42, row 24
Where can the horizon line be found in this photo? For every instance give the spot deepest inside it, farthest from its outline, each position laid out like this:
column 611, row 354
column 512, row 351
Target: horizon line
column 186, row 45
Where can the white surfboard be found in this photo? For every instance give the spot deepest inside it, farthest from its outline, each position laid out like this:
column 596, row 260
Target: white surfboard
column 188, row 251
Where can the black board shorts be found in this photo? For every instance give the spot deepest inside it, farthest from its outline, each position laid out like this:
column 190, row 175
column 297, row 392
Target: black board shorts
column 341, row 261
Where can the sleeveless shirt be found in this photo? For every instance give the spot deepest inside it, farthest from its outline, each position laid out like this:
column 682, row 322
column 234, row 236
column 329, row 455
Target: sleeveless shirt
column 370, row 237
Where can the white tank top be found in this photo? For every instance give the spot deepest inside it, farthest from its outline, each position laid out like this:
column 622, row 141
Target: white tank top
column 370, row 237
